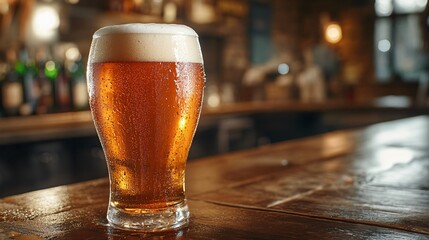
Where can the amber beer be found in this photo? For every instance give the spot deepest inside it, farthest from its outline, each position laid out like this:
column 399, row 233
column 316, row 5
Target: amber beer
column 146, row 85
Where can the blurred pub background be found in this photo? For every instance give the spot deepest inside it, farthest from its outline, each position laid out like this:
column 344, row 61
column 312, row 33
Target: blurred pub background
column 276, row 70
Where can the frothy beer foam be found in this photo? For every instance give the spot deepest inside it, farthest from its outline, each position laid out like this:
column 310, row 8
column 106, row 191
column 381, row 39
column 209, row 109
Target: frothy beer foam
column 139, row 42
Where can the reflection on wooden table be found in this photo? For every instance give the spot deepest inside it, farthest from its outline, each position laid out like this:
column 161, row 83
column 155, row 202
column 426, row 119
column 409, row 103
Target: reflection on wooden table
column 367, row 183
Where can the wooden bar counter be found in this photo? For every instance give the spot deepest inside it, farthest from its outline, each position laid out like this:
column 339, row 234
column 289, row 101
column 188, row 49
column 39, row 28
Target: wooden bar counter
column 368, row 183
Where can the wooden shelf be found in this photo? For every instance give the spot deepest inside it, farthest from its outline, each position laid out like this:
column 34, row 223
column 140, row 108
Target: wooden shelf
column 45, row 127
column 78, row 124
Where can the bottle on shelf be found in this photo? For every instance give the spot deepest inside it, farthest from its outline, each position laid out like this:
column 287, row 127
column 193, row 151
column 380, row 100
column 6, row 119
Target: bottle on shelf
column 27, row 70
column 41, row 84
column 46, row 100
column 52, row 71
column 4, row 69
column 12, row 87
column 78, row 86
column 62, row 90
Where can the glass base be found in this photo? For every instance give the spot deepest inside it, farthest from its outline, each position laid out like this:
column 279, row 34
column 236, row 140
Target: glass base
column 150, row 220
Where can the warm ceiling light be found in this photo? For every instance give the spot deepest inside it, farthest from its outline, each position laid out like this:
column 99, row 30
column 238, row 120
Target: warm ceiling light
column 4, row 7
column 73, row 54
column 45, row 22
column 333, row 33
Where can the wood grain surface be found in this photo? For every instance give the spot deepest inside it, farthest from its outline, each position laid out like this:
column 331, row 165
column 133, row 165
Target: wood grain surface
column 369, row 183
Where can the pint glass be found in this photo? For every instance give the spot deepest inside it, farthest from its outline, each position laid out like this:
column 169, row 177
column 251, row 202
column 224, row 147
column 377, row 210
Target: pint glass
column 145, row 84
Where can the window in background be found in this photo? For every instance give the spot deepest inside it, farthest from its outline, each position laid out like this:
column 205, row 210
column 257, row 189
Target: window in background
column 398, row 40
column 260, row 32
